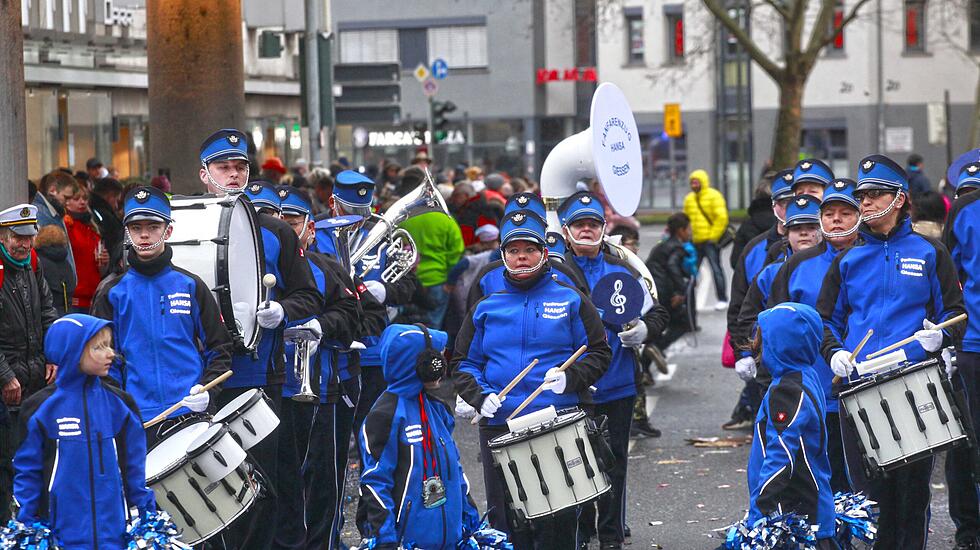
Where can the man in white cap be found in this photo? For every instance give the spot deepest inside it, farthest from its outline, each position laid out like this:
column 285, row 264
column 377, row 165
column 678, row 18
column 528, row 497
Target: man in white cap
column 26, row 312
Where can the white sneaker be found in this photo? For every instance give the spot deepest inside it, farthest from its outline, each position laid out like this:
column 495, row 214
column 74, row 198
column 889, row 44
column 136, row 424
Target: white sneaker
column 721, row 306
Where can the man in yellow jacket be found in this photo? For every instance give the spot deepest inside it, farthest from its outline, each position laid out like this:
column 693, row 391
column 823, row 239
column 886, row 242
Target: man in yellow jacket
column 709, row 217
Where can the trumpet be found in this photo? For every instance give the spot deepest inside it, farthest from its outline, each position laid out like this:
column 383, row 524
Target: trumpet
column 306, row 345
column 400, row 252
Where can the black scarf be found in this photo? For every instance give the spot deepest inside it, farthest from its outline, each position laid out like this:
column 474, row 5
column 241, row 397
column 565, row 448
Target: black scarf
column 150, row 267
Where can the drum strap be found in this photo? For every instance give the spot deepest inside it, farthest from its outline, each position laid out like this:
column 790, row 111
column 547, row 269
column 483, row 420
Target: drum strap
column 428, row 444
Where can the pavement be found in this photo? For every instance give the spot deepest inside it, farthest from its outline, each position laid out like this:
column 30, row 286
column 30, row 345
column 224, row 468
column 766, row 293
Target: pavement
column 679, row 496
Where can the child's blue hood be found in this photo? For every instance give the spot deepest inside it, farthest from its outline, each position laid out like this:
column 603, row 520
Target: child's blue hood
column 400, row 345
column 791, row 337
column 65, row 342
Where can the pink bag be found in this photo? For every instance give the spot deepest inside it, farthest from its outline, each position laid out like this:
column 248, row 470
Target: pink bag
column 727, row 353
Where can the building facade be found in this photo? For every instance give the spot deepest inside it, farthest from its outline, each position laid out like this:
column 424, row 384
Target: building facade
column 861, row 98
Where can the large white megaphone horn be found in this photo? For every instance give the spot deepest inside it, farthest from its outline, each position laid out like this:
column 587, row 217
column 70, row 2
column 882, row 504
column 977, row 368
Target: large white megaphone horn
column 609, row 150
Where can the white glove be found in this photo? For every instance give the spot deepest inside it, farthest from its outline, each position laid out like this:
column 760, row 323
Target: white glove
column 841, row 363
column 929, row 338
column 464, row 409
column 555, row 380
column 949, row 362
column 491, row 404
column 270, row 317
column 314, row 326
column 745, row 368
column 377, row 288
column 198, row 400
column 634, row 337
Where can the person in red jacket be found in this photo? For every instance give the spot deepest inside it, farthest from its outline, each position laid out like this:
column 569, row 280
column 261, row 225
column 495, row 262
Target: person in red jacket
column 91, row 258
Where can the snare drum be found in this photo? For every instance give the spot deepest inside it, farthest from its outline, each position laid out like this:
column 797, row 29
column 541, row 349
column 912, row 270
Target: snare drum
column 904, row 415
column 549, row 467
column 218, row 240
column 200, row 508
column 249, row 418
column 215, row 453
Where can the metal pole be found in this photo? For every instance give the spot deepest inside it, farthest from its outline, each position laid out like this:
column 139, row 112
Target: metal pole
column 880, row 106
column 949, row 129
column 312, row 30
column 673, row 173
column 432, row 131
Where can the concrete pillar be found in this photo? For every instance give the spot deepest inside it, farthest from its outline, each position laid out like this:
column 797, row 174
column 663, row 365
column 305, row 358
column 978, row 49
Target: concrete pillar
column 196, row 81
column 13, row 112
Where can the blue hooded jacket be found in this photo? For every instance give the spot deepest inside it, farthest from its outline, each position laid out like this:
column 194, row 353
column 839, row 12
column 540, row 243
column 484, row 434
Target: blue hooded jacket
column 83, row 456
column 962, row 238
column 391, row 508
column 788, row 466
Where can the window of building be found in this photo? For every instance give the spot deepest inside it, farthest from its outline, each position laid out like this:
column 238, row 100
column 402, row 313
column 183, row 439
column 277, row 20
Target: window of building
column 369, row 46
column 974, row 25
column 915, row 25
column 837, row 45
column 675, row 34
column 461, row 47
column 413, row 48
column 827, row 141
column 634, row 36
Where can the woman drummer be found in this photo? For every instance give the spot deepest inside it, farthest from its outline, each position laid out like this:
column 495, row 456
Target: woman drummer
column 899, row 283
column 532, row 317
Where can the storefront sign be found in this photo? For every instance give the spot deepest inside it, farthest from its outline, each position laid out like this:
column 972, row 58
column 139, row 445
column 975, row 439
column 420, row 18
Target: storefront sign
column 409, row 138
column 577, row 74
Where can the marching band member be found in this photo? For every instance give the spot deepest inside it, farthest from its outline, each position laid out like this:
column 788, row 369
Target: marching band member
column 962, row 238
column 898, row 283
column 294, row 298
column 532, row 316
column 749, row 264
column 422, row 501
column 338, row 322
column 799, row 280
column 164, row 318
column 583, row 223
column 811, row 177
column 788, row 469
column 84, row 498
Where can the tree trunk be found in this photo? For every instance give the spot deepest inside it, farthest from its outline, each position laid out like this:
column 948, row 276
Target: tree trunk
column 789, row 122
column 13, row 126
column 196, row 77
column 975, row 122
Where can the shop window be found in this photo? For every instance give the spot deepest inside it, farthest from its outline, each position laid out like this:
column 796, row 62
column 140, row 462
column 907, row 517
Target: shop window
column 675, row 34
column 829, row 144
column 915, row 25
column 975, row 25
column 634, row 30
column 461, row 47
column 369, row 46
column 837, row 45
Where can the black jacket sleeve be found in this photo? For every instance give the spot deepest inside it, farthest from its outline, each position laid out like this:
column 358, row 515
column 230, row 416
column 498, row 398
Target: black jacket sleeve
column 828, row 307
column 215, row 341
column 675, row 271
column 341, row 313
column 48, row 313
column 952, row 294
column 401, row 291
column 752, row 306
column 779, row 292
column 374, row 314
column 301, row 298
column 475, row 293
column 593, row 364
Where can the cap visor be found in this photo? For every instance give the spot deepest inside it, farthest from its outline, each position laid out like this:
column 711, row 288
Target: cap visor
column 229, row 156
column 875, row 185
column 26, row 230
column 142, row 216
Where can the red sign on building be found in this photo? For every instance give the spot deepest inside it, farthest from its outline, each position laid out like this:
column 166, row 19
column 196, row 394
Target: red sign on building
column 575, row 74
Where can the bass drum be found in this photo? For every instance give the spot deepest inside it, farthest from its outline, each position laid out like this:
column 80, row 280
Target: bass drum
column 218, row 239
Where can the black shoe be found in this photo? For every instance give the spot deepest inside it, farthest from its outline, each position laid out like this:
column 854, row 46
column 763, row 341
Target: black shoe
column 611, row 546
column 739, row 423
column 642, row 428
column 969, row 544
column 627, row 532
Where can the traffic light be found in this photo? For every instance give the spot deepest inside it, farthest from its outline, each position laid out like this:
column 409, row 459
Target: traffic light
column 439, row 111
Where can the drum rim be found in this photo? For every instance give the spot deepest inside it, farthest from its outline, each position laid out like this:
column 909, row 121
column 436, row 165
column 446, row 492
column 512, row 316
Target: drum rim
column 915, row 457
column 200, row 444
column 181, row 461
column 576, row 503
column 524, row 435
column 255, row 395
column 877, row 379
column 221, row 258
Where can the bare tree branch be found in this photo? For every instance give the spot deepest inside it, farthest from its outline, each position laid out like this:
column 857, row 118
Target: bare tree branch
column 743, row 38
column 851, row 16
column 780, row 9
column 794, row 31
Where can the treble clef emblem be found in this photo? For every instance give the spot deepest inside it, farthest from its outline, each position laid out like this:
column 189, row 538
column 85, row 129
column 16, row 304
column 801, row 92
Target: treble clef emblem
column 618, row 300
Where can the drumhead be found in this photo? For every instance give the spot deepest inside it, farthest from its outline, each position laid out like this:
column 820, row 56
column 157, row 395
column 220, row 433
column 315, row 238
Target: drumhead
column 242, row 262
column 206, row 439
column 536, row 430
column 172, row 451
column 238, row 405
column 874, row 380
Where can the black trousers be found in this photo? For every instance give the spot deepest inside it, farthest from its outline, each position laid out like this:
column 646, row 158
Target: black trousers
column 835, row 452
column 325, row 471
column 256, row 529
column 8, row 447
column 903, row 497
column 296, row 424
column 611, row 507
column 962, row 462
column 557, row 532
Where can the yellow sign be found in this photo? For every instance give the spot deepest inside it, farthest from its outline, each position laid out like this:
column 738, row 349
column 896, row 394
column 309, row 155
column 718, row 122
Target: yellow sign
column 672, row 120
column 421, row 72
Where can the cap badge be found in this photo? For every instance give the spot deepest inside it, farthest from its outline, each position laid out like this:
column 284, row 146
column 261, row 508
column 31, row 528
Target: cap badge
column 868, row 165
column 972, row 168
column 142, row 196
column 585, row 200
column 805, row 165
column 839, row 185
column 233, row 139
column 283, row 193
column 522, row 200
column 255, row 188
column 25, row 212
column 361, row 192
column 788, row 177
column 518, row 219
column 801, row 202
column 552, row 239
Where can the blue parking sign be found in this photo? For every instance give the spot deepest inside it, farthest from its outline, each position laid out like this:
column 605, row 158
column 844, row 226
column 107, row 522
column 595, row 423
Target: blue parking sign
column 440, row 69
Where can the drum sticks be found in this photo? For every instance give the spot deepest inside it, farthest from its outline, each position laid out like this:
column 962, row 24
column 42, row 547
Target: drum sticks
column 568, row 362
column 959, row 318
column 857, row 350
column 268, row 281
column 510, row 385
column 163, row 416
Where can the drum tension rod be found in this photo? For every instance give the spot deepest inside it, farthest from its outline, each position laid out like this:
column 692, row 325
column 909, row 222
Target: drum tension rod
column 228, row 488
column 564, row 467
column 517, row 479
column 935, row 401
column 537, row 469
column 180, row 508
column 249, row 427
column 200, row 492
column 500, row 475
column 580, row 443
column 863, row 414
column 896, row 435
column 915, row 410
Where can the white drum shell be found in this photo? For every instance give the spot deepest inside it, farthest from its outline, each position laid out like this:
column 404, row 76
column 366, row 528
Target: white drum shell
column 560, row 495
column 221, row 456
column 914, row 443
column 178, row 489
column 249, row 416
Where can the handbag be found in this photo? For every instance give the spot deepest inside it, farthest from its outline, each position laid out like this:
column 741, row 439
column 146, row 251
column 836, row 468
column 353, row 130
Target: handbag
column 727, row 353
column 727, row 236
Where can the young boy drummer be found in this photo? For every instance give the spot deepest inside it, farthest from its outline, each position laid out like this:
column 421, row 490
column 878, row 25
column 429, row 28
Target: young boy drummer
column 165, row 319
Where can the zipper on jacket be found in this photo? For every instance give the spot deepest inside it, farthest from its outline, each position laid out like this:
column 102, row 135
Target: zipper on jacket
column 98, row 438
column 443, row 543
column 91, row 477
column 445, row 453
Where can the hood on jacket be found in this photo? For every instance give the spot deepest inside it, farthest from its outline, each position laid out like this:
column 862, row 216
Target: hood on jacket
column 65, row 342
column 791, row 337
column 400, row 346
column 701, row 176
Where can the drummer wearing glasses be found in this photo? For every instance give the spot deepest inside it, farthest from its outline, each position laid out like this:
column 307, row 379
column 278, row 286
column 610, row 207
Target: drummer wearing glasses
column 532, row 317
column 165, row 319
column 898, row 283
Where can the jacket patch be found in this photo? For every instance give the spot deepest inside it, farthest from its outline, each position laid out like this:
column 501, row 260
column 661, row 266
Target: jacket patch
column 555, row 310
column 180, row 302
column 68, row 427
column 914, row 267
column 414, row 433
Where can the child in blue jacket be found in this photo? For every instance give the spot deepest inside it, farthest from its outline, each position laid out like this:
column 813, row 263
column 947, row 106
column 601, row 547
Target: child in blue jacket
column 413, row 490
column 788, row 467
column 82, row 459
